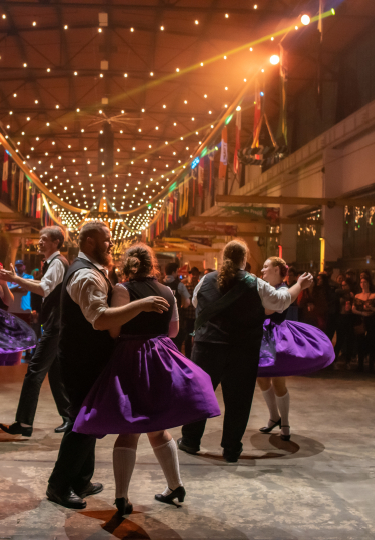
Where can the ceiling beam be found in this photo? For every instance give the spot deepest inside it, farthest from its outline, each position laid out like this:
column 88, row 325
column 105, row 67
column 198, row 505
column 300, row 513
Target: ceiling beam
column 249, row 219
column 245, row 200
column 244, row 234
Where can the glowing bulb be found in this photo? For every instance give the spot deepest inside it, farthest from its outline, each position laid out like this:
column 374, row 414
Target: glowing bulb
column 274, row 60
column 305, row 19
column 196, row 22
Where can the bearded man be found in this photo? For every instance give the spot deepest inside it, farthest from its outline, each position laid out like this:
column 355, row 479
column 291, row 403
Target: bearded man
column 84, row 349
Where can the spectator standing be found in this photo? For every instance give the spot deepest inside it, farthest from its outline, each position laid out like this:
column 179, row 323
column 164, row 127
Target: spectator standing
column 182, row 298
column 364, row 308
column 190, row 312
column 345, row 325
column 350, row 278
column 22, row 296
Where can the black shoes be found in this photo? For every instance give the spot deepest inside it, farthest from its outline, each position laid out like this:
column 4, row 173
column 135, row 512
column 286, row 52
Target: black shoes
column 64, row 426
column 90, row 489
column 17, row 429
column 285, row 437
column 231, row 457
column 123, row 506
column 267, row 429
column 68, row 499
column 187, row 449
column 178, row 493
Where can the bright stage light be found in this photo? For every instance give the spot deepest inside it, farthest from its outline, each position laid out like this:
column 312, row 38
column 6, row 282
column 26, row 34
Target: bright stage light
column 305, row 19
column 274, row 59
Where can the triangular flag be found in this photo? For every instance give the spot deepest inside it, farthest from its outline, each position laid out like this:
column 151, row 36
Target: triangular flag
column 223, row 154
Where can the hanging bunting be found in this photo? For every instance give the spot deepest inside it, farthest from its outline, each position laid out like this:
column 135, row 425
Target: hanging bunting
column 21, row 178
column 13, row 184
column 211, row 157
column 238, row 142
column 282, row 130
column 201, row 177
column 5, row 172
column 223, row 154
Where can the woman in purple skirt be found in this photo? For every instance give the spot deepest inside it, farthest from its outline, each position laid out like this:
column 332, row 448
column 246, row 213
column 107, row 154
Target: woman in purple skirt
column 288, row 348
column 148, row 386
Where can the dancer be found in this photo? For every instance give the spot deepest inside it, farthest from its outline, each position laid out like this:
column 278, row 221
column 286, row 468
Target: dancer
column 44, row 359
column 288, row 348
column 228, row 334
column 85, row 347
column 148, row 386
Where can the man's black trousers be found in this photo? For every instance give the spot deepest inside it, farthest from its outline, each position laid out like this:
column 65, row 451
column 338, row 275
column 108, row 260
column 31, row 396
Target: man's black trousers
column 235, row 367
column 75, row 463
column 43, row 361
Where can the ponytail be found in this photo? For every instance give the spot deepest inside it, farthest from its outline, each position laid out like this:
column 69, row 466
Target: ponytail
column 235, row 253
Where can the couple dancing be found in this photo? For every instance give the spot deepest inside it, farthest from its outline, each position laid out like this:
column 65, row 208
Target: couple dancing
column 140, row 383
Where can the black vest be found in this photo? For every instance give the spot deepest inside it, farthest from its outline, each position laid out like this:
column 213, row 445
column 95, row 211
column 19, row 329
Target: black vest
column 50, row 312
column 241, row 323
column 276, row 317
column 83, row 352
column 173, row 285
column 148, row 323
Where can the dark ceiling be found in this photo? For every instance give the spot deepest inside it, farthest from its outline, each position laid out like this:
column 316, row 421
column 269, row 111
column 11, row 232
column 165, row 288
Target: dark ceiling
column 66, row 67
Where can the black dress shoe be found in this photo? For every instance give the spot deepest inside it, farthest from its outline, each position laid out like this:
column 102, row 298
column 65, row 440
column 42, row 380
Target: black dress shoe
column 231, row 457
column 68, row 499
column 64, row 426
column 268, row 429
column 123, row 506
column 90, row 489
column 17, row 429
column 178, row 493
column 187, row 449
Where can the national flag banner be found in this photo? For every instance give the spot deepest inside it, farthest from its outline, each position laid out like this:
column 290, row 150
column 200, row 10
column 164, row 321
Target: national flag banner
column 257, row 114
column 223, row 154
column 201, row 177
column 21, row 179
column 170, row 208
column 13, row 183
column 238, row 142
column 38, row 205
column 320, row 20
column 5, row 172
column 28, row 198
column 211, row 172
column 282, row 130
column 193, row 176
column 175, row 205
column 181, row 201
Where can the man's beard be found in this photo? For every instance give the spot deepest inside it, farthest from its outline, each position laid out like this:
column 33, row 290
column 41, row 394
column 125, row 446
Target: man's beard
column 102, row 257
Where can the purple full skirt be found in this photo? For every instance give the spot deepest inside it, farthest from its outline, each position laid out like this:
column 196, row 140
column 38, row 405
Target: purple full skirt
column 293, row 348
column 147, row 386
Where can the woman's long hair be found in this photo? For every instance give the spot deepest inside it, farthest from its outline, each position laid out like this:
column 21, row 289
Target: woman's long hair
column 140, row 261
column 283, row 267
column 234, row 255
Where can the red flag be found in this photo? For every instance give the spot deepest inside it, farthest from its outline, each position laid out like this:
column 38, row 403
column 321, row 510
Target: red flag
column 201, row 177
column 5, row 172
column 238, row 141
column 170, row 208
column 257, row 113
column 211, row 162
column 38, row 205
column 223, row 154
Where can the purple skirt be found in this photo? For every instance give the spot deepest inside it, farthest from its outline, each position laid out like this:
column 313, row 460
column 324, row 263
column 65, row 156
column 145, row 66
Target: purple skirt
column 293, row 348
column 147, row 386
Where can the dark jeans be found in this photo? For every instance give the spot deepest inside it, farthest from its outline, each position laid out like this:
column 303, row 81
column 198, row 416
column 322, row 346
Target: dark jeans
column 236, row 369
column 189, row 326
column 75, row 463
column 43, row 361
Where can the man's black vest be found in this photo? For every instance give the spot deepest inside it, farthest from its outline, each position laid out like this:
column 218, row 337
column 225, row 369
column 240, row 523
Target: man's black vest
column 50, row 312
column 83, row 352
column 239, row 323
column 173, row 285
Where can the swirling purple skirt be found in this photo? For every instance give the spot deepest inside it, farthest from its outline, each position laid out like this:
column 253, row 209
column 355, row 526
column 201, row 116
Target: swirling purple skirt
column 293, row 348
column 15, row 334
column 147, row 386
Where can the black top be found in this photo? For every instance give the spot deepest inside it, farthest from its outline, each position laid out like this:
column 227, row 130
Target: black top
column 83, row 351
column 278, row 318
column 241, row 322
column 50, row 312
column 152, row 323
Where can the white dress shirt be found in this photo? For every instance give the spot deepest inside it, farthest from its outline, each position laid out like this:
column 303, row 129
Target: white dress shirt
column 89, row 289
column 54, row 275
column 121, row 297
column 273, row 299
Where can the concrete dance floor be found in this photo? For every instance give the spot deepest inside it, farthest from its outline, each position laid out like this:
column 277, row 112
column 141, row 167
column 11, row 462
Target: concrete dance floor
column 320, row 485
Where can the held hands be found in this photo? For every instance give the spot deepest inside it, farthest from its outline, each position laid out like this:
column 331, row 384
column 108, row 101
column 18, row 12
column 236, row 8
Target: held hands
column 305, row 281
column 7, row 275
column 155, row 303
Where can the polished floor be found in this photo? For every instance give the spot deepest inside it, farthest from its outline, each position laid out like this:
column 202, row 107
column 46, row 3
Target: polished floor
column 320, row 485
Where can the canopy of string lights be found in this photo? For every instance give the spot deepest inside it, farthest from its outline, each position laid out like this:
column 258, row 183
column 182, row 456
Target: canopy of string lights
column 115, row 98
